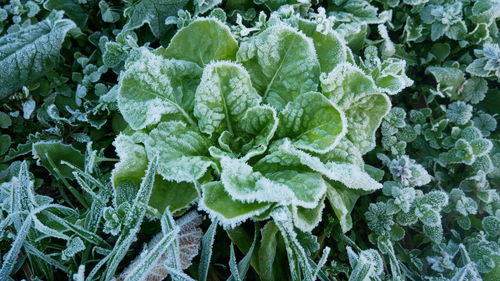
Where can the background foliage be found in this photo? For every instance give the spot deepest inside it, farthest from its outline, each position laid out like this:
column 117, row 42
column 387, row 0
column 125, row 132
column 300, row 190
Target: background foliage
column 64, row 216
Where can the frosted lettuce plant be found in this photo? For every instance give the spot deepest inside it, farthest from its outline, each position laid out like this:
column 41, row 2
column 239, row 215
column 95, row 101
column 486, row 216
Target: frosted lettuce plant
column 245, row 125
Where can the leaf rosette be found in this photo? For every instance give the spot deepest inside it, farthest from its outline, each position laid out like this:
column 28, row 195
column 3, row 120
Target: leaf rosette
column 245, row 125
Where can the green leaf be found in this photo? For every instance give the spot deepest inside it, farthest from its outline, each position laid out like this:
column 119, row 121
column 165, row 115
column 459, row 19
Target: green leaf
column 133, row 160
column 261, row 122
column 282, row 63
column 356, row 94
column 26, row 55
column 223, row 97
column 312, row 122
column 154, row 13
column 152, row 87
column 330, row 48
column 219, row 204
column 132, row 167
column 363, row 119
column 350, row 175
column 307, row 219
column 273, row 265
column 5, row 142
column 190, row 43
column 174, row 195
column 346, row 84
column 282, row 185
column 203, row 6
column 342, row 201
column 206, row 251
column 181, row 151
column 51, row 154
column 449, row 79
column 71, row 8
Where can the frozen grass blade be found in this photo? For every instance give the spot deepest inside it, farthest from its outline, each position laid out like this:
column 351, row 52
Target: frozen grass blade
column 206, row 251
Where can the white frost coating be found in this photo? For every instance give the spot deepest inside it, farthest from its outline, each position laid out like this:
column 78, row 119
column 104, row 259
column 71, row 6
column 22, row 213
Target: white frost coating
column 223, row 96
column 336, row 84
column 300, row 117
column 260, row 125
column 364, row 118
column 347, row 174
column 26, row 55
column 307, row 225
column 236, row 173
column 356, row 94
column 181, row 150
column 147, row 90
column 227, row 218
column 243, row 184
column 229, row 223
column 282, row 62
column 133, row 161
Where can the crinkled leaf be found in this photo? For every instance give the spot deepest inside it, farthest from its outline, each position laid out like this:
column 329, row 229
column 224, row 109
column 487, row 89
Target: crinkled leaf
column 363, row 119
column 330, row 48
column 307, row 219
column 133, row 160
column 356, row 94
column 152, row 87
column 312, row 122
column 26, row 55
column 223, row 97
column 284, row 186
column 181, row 151
column 350, row 175
column 282, row 63
column 261, row 122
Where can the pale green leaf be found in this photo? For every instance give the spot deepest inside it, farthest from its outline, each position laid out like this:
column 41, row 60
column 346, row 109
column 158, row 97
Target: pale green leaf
column 312, row 122
column 26, row 55
column 223, row 97
column 281, row 185
column 219, row 204
column 282, row 63
column 330, row 47
column 350, row 175
column 133, row 160
column 182, row 151
column 342, row 201
column 307, row 219
column 202, row 41
column 154, row 13
column 355, row 93
column 152, row 87
column 345, row 84
column 261, row 122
